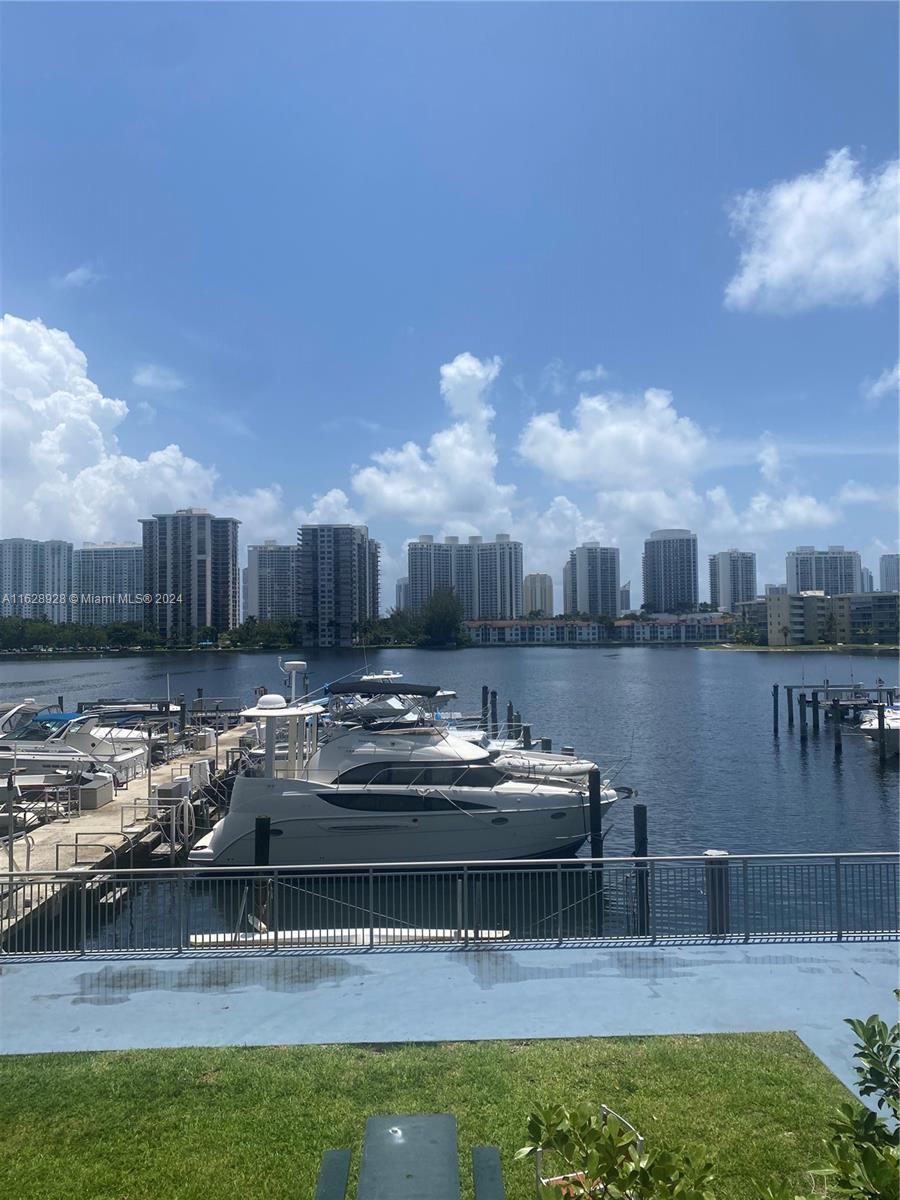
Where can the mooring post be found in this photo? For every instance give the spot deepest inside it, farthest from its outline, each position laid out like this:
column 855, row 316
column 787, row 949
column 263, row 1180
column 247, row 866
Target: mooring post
column 546, row 745
column 495, row 724
column 836, row 724
column 641, row 870
column 775, row 709
column 182, row 714
column 510, row 719
column 59, row 701
column 803, row 716
column 526, row 737
column 882, row 745
column 789, row 692
column 717, row 899
column 517, row 724
column 815, row 708
column 484, row 707
column 262, row 834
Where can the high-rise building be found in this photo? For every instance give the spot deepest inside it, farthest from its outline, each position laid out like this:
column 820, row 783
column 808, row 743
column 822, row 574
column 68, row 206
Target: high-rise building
column 339, row 582
column 867, row 580
column 888, row 573
column 272, row 582
column 595, row 579
column 108, row 580
column 568, row 587
column 31, row 571
column 732, row 579
column 833, row 571
column 776, row 589
column 625, row 596
column 537, row 595
column 486, row 576
column 670, row 571
column 401, row 595
column 191, row 573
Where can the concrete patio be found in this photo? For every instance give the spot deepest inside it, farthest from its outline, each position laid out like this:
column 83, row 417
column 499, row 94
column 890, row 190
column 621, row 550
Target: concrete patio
column 448, row 995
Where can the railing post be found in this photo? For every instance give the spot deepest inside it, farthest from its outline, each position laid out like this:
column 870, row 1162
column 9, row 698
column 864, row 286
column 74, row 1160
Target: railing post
column 717, row 906
column 371, row 908
column 838, row 899
column 559, row 904
column 273, row 915
column 745, row 890
column 651, row 901
column 82, row 887
column 463, row 906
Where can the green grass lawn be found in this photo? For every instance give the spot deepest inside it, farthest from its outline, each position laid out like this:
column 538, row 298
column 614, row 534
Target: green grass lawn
column 248, row 1123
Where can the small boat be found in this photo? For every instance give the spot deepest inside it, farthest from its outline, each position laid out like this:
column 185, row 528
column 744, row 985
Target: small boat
column 869, row 726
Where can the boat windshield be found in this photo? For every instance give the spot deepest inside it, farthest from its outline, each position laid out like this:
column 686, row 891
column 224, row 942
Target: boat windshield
column 33, row 729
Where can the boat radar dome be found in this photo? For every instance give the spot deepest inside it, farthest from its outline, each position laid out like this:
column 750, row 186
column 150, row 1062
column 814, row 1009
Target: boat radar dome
column 294, row 666
column 271, row 700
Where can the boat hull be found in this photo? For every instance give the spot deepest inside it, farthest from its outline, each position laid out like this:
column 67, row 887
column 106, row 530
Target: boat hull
column 308, row 830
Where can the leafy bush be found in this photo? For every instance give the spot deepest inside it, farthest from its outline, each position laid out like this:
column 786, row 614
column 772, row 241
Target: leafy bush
column 604, row 1159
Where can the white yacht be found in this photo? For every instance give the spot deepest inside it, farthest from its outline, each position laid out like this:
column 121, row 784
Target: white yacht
column 869, row 726
column 40, row 740
column 374, row 788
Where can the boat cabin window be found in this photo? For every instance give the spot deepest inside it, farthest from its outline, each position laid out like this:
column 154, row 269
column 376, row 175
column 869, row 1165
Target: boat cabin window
column 406, row 774
column 398, row 802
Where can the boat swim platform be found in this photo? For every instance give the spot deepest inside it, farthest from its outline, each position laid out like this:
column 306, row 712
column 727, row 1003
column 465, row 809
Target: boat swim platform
column 312, row 997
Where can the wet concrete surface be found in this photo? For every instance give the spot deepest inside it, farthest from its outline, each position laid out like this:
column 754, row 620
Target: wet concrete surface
column 448, row 995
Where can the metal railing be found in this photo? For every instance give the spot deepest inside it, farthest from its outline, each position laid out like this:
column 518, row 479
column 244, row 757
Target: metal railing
column 527, row 902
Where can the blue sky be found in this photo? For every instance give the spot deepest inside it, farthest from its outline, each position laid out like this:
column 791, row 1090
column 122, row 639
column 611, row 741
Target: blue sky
column 241, row 242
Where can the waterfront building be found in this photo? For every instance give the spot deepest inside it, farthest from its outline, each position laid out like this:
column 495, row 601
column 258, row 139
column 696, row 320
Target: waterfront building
column 108, row 580
column 867, row 580
column 754, row 615
column 889, row 573
column 834, row 571
column 537, row 595
column 31, row 571
column 688, row 629
column 776, row 589
column 568, row 586
column 670, row 571
column 625, row 597
column 271, row 592
column 732, row 578
column 867, row 617
column 595, row 580
column 486, row 576
column 796, row 619
column 401, row 601
column 339, row 583
column 190, row 573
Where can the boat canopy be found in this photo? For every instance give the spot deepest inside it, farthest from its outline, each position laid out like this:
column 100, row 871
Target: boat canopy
column 382, row 687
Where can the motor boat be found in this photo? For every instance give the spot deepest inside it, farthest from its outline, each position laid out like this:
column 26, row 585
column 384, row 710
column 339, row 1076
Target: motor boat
column 869, row 726
column 368, row 789
column 46, row 740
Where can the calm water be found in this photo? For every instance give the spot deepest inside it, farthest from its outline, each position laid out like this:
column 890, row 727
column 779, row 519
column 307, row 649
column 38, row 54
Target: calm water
column 690, row 728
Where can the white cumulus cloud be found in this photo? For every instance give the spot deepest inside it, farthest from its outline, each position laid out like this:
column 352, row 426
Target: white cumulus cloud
column 824, row 238
column 452, row 478
column 887, row 383
column 614, row 440
column 62, row 471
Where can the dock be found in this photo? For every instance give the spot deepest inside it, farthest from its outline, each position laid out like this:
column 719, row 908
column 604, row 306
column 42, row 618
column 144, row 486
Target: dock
column 142, row 826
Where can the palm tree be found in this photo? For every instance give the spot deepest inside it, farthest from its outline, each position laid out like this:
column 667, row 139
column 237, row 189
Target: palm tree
column 786, row 634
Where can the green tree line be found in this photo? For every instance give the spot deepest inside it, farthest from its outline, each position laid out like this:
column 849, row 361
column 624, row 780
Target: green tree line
column 25, row 633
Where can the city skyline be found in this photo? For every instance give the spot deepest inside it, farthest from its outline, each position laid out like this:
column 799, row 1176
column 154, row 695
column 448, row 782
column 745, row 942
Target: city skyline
column 717, row 363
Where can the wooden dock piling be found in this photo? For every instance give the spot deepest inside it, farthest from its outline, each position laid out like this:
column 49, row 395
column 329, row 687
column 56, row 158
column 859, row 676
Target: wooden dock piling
column 546, row 745
column 789, row 692
column 836, row 724
column 803, row 730
column 526, row 736
column 815, row 710
column 775, row 709
column 495, row 724
column 510, row 719
column 717, row 895
column 484, row 707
